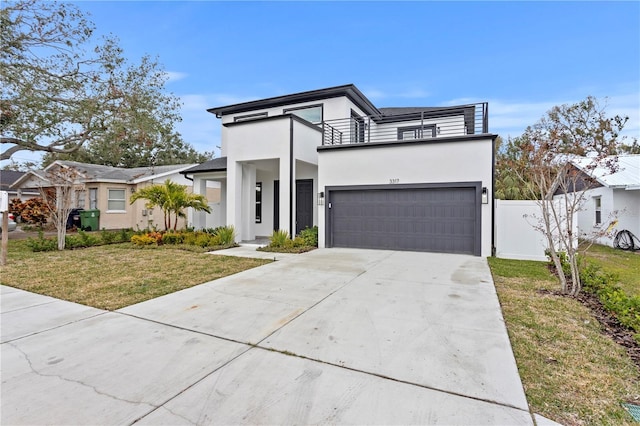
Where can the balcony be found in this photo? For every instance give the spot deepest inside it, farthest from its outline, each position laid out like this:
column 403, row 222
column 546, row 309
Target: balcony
column 408, row 124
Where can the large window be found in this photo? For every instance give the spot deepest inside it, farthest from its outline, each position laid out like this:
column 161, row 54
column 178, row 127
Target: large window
column 597, row 201
column 258, row 202
column 311, row 113
column 116, row 200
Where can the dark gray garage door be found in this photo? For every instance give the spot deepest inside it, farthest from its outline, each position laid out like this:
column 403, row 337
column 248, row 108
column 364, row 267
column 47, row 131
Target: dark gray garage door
column 443, row 219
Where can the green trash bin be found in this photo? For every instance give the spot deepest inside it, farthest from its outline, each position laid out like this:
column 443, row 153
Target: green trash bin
column 89, row 220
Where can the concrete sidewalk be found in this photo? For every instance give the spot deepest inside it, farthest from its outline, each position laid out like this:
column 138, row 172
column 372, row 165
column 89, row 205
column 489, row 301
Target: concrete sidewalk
column 335, row 336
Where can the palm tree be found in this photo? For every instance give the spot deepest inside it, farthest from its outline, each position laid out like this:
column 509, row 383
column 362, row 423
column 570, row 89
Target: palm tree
column 173, row 198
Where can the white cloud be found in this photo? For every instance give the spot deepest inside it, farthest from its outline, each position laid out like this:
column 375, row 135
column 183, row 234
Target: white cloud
column 175, row 76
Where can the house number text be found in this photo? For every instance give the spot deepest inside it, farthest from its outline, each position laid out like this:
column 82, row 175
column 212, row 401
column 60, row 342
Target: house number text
column 394, row 180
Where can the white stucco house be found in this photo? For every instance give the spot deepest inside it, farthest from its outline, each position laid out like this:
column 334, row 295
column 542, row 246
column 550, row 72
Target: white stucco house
column 381, row 178
column 612, row 200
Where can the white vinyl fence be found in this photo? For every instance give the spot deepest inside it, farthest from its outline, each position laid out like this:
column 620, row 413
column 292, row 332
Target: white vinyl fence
column 515, row 233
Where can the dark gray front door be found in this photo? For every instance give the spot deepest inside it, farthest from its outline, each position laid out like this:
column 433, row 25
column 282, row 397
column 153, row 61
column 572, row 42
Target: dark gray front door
column 304, row 204
column 441, row 219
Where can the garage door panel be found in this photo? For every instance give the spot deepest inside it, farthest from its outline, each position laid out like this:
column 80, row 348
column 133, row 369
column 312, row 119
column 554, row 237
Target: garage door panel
column 420, row 219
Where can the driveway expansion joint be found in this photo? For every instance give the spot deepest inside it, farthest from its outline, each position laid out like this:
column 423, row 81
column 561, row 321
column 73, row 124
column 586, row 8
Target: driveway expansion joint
column 393, row 379
column 56, row 327
column 30, row 306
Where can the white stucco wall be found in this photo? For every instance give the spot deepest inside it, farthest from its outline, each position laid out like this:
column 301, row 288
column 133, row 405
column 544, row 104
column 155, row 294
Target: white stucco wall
column 437, row 162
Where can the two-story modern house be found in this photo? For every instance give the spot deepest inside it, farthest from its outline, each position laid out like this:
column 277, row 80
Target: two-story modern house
column 381, row 178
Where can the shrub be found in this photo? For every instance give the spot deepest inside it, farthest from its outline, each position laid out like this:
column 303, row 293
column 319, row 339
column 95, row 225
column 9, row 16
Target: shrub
column 108, row 237
column 143, row 240
column 604, row 285
column 278, row 238
column 310, row 236
column 202, row 239
column 226, row 235
column 213, row 231
column 34, row 211
column 42, row 244
column 88, row 240
column 173, row 238
column 125, row 235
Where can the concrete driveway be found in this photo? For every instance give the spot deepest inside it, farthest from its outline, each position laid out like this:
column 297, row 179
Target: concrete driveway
column 336, row 336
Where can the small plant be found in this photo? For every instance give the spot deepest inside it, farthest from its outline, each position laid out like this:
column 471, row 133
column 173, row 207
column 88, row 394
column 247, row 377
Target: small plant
column 173, row 238
column 143, row 240
column 227, row 235
column 202, row 239
column 87, row 240
column 125, row 235
column 604, row 285
column 41, row 243
column 310, row 236
column 278, row 238
column 108, row 237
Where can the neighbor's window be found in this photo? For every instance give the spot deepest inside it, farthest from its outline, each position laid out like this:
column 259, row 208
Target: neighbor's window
column 598, row 208
column 258, row 202
column 93, row 198
column 250, row 117
column 312, row 113
column 80, row 198
column 116, row 200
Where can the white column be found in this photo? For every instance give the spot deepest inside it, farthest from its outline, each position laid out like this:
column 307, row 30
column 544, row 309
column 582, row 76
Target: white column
column 248, row 201
column 222, row 215
column 234, row 198
column 285, row 196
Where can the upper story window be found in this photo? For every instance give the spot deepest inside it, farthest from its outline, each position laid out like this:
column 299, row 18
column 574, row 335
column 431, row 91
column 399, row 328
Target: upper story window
column 417, row 132
column 250, row 117
column 311, row 113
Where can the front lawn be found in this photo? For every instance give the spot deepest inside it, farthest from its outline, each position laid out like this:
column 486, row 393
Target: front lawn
column 114, row 276
column 625, row 264
column 572, row 373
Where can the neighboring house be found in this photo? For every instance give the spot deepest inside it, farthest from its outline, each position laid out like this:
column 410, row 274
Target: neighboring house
column 108, row 189
column 7, row 177
column 382, row 178
column 613, row 197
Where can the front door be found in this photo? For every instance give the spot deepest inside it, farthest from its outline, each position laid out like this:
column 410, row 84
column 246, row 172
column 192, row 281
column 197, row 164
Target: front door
column 304, row 204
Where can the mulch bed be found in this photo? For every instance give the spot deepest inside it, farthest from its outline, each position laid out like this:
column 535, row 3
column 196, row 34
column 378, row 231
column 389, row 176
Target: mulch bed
column 611, row 326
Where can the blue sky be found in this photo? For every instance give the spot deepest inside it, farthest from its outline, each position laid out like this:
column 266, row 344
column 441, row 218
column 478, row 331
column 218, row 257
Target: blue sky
column 521, row 57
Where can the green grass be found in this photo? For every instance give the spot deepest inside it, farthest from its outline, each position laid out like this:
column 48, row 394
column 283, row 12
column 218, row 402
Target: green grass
column 114, row 276
column 625, row 264
column 571, row 372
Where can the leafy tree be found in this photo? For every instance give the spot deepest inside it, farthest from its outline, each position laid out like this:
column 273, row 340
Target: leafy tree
column 171, row 198
column 127, row 153
column 541, row 162
column 509, row 159
column 59, row 92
